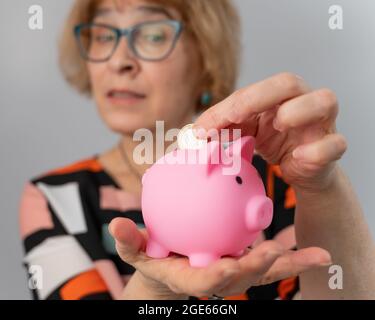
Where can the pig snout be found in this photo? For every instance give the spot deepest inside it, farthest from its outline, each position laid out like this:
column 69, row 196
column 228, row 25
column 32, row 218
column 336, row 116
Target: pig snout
column 259, row 212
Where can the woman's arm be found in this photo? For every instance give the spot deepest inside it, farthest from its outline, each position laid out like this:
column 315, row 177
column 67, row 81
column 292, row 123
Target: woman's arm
column 332, row 219
column 65, row 269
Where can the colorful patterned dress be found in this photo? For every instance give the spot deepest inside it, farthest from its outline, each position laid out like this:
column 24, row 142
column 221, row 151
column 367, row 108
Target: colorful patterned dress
column 64, row 217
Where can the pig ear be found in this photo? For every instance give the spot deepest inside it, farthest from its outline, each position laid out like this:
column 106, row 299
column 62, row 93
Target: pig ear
column 214, row 152
column 243, row 146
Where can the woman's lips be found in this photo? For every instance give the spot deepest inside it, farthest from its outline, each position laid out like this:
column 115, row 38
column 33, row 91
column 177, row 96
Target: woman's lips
column 124, row 97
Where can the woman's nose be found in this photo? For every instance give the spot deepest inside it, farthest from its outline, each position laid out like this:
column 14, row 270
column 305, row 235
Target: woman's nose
column 123, row 59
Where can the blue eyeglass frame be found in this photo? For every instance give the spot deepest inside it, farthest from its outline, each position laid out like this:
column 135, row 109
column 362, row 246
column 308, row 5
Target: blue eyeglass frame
column 127, row 33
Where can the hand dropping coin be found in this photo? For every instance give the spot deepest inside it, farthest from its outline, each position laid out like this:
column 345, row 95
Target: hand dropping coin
column 186, row 139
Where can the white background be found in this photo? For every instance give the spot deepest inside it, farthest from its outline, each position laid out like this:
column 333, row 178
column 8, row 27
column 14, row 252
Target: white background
column 45, row 124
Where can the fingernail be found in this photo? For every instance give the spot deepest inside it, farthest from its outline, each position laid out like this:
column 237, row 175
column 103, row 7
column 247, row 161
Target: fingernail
column 277, row 125
column 110, row 229
column 326, row 263
column 200, row 132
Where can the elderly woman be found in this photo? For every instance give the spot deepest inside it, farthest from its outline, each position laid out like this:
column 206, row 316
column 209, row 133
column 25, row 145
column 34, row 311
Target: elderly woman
column 170, row 60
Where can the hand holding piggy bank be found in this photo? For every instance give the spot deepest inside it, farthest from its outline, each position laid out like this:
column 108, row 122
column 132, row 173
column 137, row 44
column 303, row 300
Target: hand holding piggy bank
column 194, row 208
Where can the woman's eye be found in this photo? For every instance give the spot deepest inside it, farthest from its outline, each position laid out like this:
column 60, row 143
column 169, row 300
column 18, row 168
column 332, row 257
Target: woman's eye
column 155, row 38
column 104, row 38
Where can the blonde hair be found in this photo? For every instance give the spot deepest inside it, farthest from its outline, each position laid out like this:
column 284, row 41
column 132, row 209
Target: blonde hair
column 214, row 25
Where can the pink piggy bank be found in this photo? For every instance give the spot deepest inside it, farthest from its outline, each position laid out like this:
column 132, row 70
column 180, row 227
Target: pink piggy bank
column 194, row 208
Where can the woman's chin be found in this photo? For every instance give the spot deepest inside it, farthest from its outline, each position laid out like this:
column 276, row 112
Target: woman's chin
column 130, row 124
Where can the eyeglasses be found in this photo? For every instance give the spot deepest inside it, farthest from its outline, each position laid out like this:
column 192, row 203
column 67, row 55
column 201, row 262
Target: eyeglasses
column 151, row 41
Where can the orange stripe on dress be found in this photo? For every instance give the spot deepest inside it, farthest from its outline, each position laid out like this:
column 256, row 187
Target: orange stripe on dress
column 271, row 171
column 290, row 196
column 86, row 283
column 237, row 297
column 88, row 164
column 242, row 296
column 286, row 286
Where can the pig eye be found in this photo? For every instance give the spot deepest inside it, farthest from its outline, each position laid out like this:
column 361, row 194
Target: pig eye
column 239, row 179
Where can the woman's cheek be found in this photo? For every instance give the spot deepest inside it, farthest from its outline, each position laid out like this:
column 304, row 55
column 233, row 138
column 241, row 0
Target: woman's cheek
column 95, row 75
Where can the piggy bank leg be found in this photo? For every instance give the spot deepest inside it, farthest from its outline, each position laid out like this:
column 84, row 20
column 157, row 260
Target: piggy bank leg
column 201, row 260
column 259, row 211
column 155, row 250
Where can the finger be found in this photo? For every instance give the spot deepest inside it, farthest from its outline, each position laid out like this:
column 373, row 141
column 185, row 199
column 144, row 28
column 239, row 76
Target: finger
column 317, row 106
column 259, row 260
column 174, row 271
column 330, row 148
column 294, row 263
column 252, row 267
column 289, row 264
column 129, row 240
column 180, row 277
column 201, row 282
column 252, row 100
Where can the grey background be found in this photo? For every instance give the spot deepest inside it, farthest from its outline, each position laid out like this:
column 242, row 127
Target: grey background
column 45, row 124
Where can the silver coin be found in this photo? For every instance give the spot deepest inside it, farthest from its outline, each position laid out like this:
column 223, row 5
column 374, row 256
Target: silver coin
column 186, row 139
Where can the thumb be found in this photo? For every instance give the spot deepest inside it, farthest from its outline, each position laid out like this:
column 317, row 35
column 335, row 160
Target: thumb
column 129, row 240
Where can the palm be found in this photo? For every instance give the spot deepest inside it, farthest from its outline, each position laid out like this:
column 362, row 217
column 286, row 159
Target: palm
column 266, row 263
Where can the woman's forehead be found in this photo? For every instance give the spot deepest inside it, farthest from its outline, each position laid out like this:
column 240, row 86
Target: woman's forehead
column 106, row 7
column 120, row 4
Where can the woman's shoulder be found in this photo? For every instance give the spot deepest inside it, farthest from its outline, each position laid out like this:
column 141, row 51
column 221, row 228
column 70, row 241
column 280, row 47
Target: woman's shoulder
column 63, row 191
column 69, row 184
column 80, row 171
